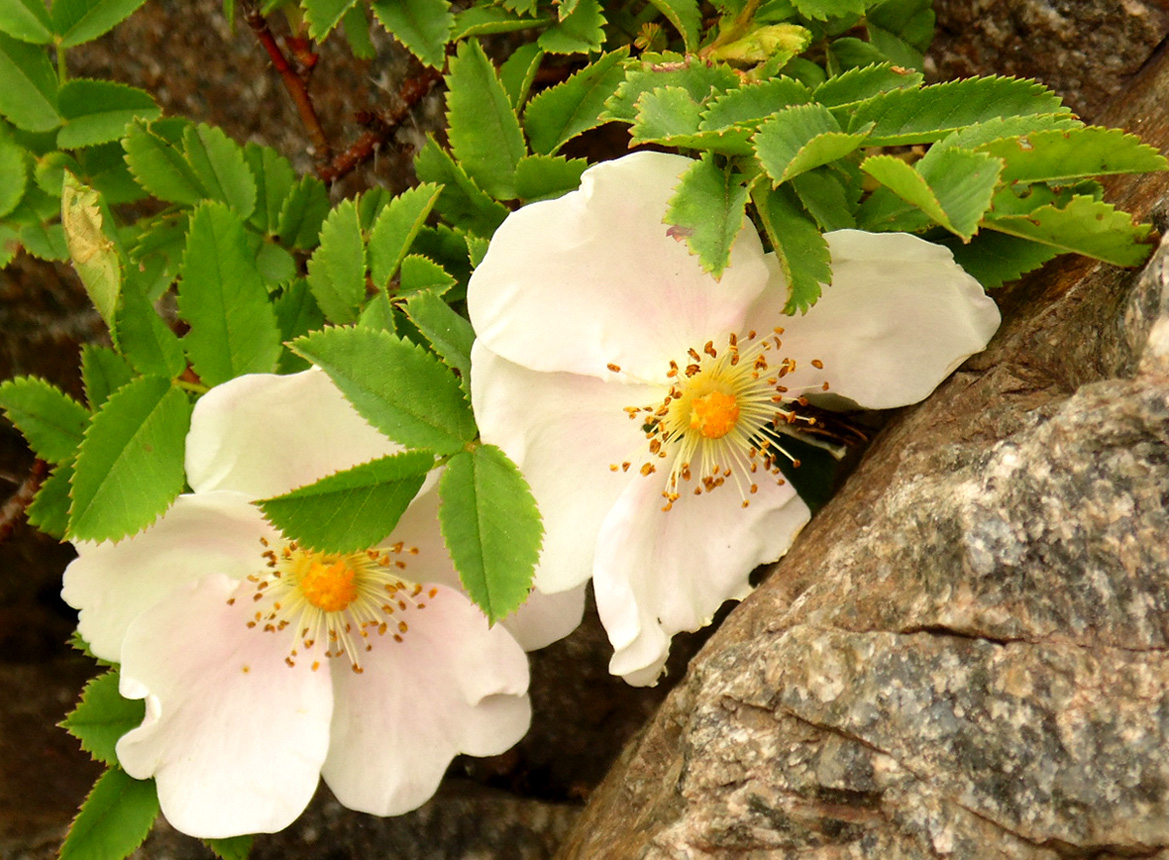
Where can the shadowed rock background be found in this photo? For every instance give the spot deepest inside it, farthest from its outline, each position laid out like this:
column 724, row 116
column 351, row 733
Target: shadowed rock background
column 963, row 656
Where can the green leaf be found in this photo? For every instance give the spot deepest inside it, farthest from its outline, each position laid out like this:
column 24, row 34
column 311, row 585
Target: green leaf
column 822, row 10
column 545, row 177
column 491, row 527
column 663, row 113
column 302, row 213
column 130, row 466
column 378, row 314
column 98, row 111
column 356, row 26
column 1084, row 226
column 91, row 251
column 275, row 265
column 144, row 339
column 518, row 72
column 930, row 113
column 750, row 104
column 233, row 328
column 884, row 212
column 336, row 272
column 102, row 717
column 231, row 847
column 28, row 86
column 848, row 53
column 827, row 198
column 902, row 30
column 799, row 245
column 114, row 819
column 704, row 83
column 801, row 138
column 26, row 20
column 45, row 241
column 79, row 21
column 51, row 421
column 396, row 228
column 13, row 173
column 484, row 132
column 351, row 510
column 954, row 186
column 489, row 20
column 160, row 167
column 323, row 15
column 982, row 133
column 422, row 273
column 461, row 202
column 274, row 179
column 422, row 26
column 865, row 82
column 398, row 387
column 684, row 15
column 297, row 314
column 218, row 162
column 370, row 204
column 580, row 32
column 49, row 511
column 449, row 334
column 572, row 107
column 1063, row 155
column 708, row 208
column 103, row 372
column 49, row 170
column 994, row 259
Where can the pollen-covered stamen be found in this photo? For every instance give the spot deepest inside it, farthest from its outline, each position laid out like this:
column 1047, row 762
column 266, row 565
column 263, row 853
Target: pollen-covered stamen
column 716, row 414
column 341, row 602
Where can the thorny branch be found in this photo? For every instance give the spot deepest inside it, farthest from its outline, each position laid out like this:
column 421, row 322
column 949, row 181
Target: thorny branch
column 20, row 500
column 381, row 126
column 293, row 82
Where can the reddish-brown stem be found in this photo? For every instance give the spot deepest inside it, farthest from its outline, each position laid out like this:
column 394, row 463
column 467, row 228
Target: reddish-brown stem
column 20, row 500
column 293, row 82
column 381, row 126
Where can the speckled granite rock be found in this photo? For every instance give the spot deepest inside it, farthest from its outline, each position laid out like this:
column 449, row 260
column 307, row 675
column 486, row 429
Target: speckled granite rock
column 1084, row 49
column 965, row 654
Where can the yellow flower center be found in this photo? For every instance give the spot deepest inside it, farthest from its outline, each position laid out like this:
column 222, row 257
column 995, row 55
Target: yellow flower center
column 342, row 602
column 714, row 415
column 329, row 587
column 720, row 417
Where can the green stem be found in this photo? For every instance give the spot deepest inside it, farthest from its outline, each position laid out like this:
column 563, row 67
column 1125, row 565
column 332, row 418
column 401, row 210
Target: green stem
column 193, row 387
column 62, row 67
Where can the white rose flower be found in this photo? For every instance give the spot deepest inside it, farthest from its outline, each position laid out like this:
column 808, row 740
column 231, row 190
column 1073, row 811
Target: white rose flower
column 264, row 665
column 641, row 397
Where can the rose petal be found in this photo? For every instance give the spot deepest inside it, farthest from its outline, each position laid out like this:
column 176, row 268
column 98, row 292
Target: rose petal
column 112, row 583
column 451, row 685
column 661, row 572
column 264, row 435
column 546, row 618
column 233, row 736
column 899, row 317
column 563, row 431
column 594, row 278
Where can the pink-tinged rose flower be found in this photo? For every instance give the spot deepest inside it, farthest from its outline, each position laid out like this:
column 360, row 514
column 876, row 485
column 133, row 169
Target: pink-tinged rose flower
column 266, row 666
column 646, row 402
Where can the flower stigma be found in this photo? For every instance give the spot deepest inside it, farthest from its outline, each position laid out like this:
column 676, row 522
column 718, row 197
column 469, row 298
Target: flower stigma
column 344, row 600
column 720, row 415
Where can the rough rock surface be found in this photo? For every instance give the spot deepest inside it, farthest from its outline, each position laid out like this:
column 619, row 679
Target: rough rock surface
column 965, row 654
column 952, row 666
column 1084, row 49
